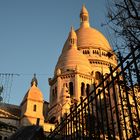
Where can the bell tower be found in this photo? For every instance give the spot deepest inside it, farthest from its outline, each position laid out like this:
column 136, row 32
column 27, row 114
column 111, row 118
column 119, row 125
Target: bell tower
column 32, row 105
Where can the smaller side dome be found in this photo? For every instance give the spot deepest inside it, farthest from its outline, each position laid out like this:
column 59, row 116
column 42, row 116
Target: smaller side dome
column 34, row 92
column 71, row 58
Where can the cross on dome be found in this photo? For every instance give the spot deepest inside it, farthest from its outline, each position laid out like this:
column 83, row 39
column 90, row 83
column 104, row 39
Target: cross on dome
column 34, row 81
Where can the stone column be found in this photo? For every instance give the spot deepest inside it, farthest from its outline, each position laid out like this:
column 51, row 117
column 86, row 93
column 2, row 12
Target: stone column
column 76, row 87
column 59, row 88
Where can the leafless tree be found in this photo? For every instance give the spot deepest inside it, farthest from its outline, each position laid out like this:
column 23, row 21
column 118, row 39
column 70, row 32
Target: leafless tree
column 124, row 19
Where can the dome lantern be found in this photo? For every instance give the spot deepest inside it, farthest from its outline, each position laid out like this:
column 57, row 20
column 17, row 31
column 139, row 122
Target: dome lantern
column 84, row 17
column 72, row 38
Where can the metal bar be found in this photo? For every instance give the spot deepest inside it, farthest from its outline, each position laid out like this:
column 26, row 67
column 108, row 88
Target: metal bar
column 68, row 128
column 85, row 115
column 97, row 115
column 122, row 106
column 127, row 98
column 116, row 106
column 81, row 99
column 89, row 118
column 102, row 127
column 133, row 93
column 66, row 133
column 76, row 114
column 71, row 122
column 110, row 105
column 79, row 124
column 106, row 114
column 93, row 117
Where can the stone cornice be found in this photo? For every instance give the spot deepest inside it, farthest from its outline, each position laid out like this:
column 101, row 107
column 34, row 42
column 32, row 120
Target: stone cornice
column 68, row 75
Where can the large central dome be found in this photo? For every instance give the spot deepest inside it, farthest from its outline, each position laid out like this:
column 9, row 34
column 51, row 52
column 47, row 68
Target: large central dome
column 90, row 37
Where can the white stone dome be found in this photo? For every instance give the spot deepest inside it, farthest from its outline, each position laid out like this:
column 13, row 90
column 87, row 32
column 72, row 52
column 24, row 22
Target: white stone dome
column 34, row 92
column 72, row 58
column 90, row 37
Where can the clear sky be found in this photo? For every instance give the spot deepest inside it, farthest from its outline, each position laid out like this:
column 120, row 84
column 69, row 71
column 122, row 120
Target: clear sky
column 32, row 34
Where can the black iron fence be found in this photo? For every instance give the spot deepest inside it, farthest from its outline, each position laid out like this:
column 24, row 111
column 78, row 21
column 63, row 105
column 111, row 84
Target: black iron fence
column 111, row 110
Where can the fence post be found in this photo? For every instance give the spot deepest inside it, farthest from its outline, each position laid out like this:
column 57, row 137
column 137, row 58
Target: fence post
column 82, row 109
column 106, row 113
column 110, row 105
column 121, row 102
column 97, row 114
column 115, row 101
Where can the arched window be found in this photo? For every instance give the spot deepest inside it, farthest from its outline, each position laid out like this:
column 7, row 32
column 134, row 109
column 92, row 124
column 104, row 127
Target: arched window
column 87, row 89
column 71, row 88
column 83, row 52
column 82, row 89
column 84, row 18
column 34, row 108
column 66, row 85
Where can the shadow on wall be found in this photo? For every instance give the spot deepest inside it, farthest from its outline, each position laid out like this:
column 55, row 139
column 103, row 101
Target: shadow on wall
column 29, row 131
column 33, row 132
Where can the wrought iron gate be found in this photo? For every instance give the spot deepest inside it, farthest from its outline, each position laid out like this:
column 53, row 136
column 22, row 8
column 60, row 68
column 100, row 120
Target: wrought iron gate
column 111, row 110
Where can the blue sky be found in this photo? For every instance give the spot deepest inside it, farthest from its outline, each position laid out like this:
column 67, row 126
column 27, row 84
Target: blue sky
column 32, row 34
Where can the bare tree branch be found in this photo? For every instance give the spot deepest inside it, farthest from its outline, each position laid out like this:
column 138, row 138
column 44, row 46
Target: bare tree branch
column 124, row 20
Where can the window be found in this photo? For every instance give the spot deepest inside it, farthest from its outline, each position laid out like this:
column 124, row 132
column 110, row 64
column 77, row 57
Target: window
column 86, row 52
column 71, row 88
column 82, row 89
column 85, row 18
column 87, row 89
column 38, row 121
column 66, row 85
column 34, row 108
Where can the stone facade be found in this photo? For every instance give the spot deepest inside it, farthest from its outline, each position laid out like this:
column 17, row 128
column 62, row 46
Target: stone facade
column 86, row 56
